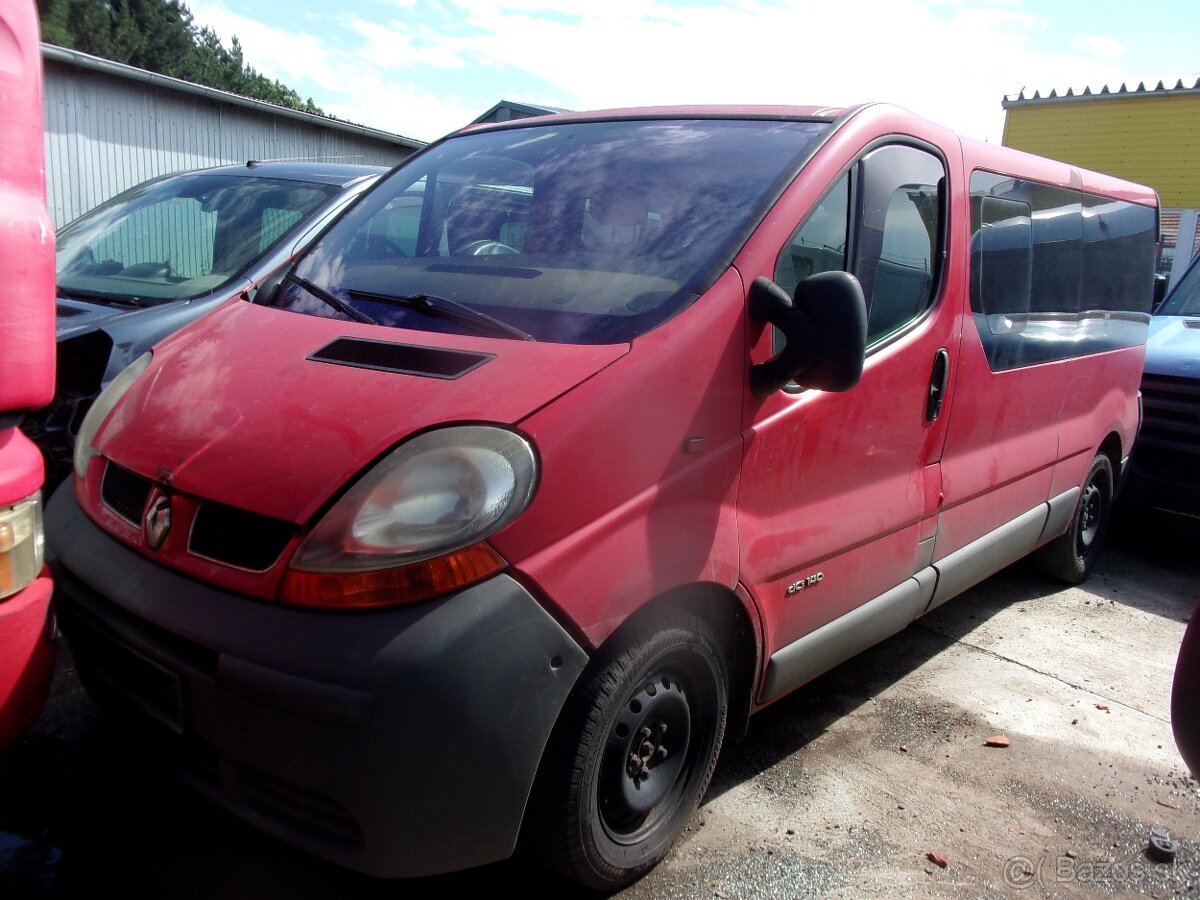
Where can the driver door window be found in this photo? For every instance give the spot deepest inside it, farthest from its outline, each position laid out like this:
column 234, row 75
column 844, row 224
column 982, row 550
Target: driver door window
column 883, row 223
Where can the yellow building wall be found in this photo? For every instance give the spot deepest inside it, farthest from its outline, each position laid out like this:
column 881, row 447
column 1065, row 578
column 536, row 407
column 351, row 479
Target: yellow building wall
column 1148, row 138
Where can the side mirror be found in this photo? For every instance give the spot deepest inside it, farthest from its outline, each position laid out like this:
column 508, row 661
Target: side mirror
column 1160, row 290
column 825, row 328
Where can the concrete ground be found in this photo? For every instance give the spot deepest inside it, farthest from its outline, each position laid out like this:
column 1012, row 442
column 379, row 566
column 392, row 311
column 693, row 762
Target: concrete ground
column 863, row 782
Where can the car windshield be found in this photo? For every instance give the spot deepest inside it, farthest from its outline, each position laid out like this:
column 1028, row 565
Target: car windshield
column 181, row 236
column 1185, row 299
column 589, row 232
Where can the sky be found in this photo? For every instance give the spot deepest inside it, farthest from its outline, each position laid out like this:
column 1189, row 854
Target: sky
column 423, row 68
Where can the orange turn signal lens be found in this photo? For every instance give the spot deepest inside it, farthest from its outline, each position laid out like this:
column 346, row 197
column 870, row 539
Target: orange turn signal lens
column 391, row 587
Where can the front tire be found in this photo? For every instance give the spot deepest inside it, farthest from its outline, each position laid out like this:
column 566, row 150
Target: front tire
column 1072, row 556
column 633, row 754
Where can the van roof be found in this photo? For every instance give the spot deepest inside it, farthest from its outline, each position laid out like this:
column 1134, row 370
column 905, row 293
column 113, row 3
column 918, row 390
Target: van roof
column 977, row 154
column 828, row 113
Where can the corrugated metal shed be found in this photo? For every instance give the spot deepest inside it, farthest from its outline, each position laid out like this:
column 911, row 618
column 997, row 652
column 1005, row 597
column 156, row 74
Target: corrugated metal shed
column 110, row 126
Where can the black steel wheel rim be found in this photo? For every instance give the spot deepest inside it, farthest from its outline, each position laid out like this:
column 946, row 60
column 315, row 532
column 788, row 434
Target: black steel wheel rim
column 1091, row 517
column 654, row 747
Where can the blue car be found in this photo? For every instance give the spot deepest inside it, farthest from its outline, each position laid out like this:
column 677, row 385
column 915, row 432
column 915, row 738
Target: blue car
column 1165, row 470
column 160, row 255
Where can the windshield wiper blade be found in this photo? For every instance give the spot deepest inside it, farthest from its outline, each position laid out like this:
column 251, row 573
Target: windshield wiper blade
column 330, row 299
column 445, row 308
column 97, row 297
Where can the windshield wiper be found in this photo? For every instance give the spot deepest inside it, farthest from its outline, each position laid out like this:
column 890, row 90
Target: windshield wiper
column 445, row 308
column 330, row 299
column 97, row 297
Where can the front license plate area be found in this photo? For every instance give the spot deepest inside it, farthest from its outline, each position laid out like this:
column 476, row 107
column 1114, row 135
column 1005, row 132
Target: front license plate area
column 134, row 677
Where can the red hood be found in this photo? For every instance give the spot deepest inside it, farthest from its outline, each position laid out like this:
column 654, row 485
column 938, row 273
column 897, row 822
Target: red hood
column 232, row 410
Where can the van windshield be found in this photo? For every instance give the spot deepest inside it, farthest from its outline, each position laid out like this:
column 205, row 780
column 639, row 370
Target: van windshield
column 1185, row 299
column 180, row 236
column 589, row 232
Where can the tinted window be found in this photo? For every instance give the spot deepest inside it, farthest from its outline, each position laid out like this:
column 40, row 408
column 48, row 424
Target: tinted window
column 1118, row 246
column 573, row 232
column 900, row 216
column 1050, row 266
column 1003, row 266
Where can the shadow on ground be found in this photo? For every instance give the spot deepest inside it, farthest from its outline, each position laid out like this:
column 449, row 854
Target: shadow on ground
column 81, row 813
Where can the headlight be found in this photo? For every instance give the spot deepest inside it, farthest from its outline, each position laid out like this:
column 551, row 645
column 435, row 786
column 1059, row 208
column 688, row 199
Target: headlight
column 103, row 405
column 21, row 544
column 413, row 526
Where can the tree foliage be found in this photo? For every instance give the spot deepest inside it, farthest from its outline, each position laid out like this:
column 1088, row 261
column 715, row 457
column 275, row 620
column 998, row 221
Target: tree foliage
column 159, row 35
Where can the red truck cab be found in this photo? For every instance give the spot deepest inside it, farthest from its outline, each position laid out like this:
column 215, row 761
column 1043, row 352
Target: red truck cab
column 577, row 440
column 26, row 373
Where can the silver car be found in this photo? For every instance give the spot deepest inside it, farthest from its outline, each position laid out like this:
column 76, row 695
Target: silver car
column 162, row 254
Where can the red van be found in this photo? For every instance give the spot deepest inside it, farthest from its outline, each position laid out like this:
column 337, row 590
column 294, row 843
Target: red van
column 27, row 626
column 577, row 440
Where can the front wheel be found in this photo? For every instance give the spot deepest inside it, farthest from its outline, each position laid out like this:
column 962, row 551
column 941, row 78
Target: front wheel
column 633, row 755
column 1072, row 556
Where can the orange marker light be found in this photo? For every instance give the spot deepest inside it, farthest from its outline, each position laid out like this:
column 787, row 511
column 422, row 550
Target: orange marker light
column 392, row 587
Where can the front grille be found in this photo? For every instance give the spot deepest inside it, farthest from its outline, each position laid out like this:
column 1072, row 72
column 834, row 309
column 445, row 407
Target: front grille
column 68, row 312
column 125, row 492
column 1169, row 444
column 238, row 538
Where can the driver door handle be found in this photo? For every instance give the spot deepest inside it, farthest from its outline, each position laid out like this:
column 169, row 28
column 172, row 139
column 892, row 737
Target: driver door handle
column 937, row 384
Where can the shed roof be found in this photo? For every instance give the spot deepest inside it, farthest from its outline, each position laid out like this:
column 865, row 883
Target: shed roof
column 1105, row 92
column 119, row 70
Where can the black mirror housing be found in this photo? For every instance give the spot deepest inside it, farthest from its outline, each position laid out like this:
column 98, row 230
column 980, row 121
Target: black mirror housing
column 1160, row 291
column 825, row 329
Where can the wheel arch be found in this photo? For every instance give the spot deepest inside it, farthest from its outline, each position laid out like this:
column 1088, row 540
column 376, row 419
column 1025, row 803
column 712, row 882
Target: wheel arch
column 734, row 623
column 1111, row 447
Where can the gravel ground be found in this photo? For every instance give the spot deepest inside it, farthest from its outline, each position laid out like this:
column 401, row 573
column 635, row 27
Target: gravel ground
column 863, row 782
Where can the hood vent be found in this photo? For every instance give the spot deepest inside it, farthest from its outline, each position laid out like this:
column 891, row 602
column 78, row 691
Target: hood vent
column 68, row 312
column 403, row 359
column 1191, row 323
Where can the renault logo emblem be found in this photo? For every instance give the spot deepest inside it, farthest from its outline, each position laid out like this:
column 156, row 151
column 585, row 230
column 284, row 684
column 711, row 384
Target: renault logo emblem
column 158, row 521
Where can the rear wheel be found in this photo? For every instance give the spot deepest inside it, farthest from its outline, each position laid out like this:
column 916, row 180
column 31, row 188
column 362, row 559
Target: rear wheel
column 633, row 755
column 1072, row 556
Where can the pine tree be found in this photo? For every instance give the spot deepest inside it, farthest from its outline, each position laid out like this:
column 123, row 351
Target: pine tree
column 160, row 36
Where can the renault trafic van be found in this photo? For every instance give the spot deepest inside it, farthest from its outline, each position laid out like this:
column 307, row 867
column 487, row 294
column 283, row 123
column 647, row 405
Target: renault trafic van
column 577, row 440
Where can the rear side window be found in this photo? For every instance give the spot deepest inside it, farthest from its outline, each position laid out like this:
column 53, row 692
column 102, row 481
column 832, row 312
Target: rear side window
column 1056, row 272
column 883, row 222
column 1004, row 268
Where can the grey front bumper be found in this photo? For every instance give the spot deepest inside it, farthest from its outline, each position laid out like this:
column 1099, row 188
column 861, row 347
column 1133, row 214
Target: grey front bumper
column 400, row 742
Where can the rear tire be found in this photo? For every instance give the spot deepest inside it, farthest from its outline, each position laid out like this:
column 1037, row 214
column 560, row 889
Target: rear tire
column 1072, row 556
column 633, row 753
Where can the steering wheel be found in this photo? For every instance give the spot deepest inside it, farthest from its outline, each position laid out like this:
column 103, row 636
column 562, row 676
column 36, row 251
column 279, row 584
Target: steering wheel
column 484, row 248
column 375, row 246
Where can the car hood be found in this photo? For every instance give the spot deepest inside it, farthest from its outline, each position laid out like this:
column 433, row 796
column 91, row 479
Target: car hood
column 235, row 410
column 1173, row 347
